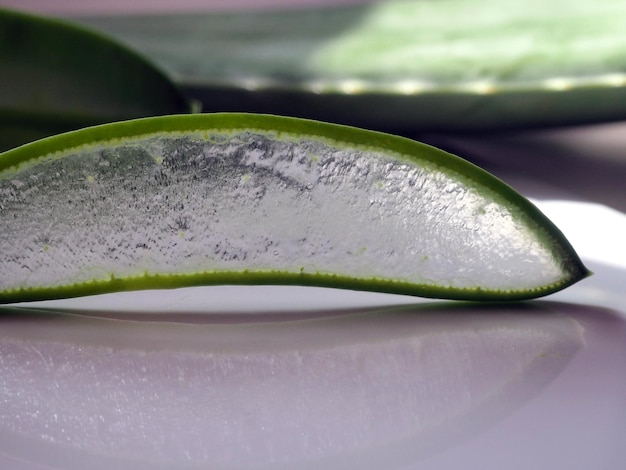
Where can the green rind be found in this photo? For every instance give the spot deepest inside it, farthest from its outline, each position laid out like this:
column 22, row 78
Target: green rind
column 58, row 76
column 343, row 136
column 169, row 281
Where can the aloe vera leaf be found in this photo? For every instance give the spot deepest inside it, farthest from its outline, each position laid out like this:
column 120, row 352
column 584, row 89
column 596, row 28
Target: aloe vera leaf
column 58, row 76
column 254, row 199
column 459, row 64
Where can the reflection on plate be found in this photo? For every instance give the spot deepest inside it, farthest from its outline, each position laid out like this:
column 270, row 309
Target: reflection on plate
column 458, row 64
column 353, row 391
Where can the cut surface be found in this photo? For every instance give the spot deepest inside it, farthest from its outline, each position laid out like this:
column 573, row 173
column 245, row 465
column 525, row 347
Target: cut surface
column 175, row 201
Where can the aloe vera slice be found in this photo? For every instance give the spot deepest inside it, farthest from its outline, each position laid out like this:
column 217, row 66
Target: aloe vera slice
column 251, row 199
column 57, row 76
column 462, row 64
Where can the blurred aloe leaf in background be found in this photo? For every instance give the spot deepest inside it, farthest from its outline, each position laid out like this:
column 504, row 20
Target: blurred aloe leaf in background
column 398, row 65
column 57, row 77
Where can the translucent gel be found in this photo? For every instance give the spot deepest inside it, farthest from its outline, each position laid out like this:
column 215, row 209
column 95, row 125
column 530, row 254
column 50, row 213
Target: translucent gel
column 237, row 201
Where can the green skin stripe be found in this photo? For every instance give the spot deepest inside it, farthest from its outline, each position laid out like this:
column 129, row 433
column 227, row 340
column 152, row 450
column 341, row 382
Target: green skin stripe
column 273, row 278
column 28, row 155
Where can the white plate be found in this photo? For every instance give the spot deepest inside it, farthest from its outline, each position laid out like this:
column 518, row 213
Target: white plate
column 272, row 377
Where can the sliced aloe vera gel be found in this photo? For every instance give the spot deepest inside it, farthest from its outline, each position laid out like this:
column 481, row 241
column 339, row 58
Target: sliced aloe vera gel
column 249, row 199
